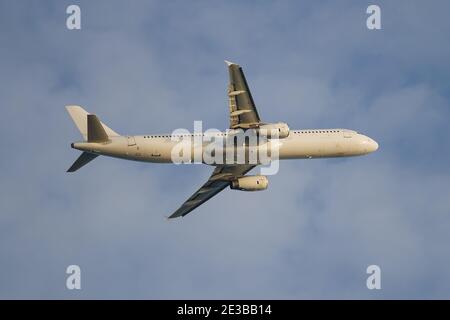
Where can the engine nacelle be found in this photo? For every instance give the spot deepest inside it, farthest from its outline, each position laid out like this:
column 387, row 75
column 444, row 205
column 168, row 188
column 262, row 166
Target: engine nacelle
column 250, row 183
column 274, row 130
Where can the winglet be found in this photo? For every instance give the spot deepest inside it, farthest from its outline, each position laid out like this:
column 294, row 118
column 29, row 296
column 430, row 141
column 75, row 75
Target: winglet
column 229, row 63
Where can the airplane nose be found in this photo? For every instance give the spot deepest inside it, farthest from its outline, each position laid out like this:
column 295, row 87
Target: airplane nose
column 368, row 145
column 373, row 145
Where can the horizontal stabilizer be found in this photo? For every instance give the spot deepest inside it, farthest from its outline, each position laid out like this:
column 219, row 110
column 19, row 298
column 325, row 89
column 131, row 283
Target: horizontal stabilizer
column 95, row 131
column 82, row 160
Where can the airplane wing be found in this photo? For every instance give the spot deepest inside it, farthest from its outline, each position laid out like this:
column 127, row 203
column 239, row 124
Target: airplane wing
column 219, row 180
column 243, row 113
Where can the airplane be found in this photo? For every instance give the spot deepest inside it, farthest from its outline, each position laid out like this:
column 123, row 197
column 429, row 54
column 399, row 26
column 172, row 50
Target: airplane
column 99, row 139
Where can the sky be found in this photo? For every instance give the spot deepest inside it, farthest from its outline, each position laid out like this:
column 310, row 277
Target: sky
column 153, row 66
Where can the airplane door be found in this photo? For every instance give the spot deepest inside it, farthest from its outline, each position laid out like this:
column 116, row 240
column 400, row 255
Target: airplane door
column 348, row 134
column 131, row 141
column 155, row 153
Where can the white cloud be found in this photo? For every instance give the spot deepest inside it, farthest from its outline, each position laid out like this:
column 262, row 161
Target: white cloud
column 311, row 235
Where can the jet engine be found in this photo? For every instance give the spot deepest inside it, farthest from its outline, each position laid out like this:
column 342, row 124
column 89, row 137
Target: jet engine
column 250, row 183
column 274, row 130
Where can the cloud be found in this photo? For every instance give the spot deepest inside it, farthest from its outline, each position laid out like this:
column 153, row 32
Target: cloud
column 151, row 67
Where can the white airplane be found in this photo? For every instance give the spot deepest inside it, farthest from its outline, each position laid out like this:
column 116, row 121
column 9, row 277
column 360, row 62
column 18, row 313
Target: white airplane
column 292, row 144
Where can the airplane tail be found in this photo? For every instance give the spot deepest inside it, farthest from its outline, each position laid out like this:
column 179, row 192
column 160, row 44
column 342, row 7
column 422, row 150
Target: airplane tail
column 92, row 130
column 81, row 119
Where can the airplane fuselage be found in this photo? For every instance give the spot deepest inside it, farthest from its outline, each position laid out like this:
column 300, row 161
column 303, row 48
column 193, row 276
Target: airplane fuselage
column 300, row 144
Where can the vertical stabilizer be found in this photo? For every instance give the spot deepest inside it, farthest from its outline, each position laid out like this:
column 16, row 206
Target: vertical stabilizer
column 79, row 117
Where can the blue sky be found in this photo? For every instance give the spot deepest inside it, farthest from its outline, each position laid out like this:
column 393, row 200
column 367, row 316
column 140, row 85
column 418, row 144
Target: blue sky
column 148, row 67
